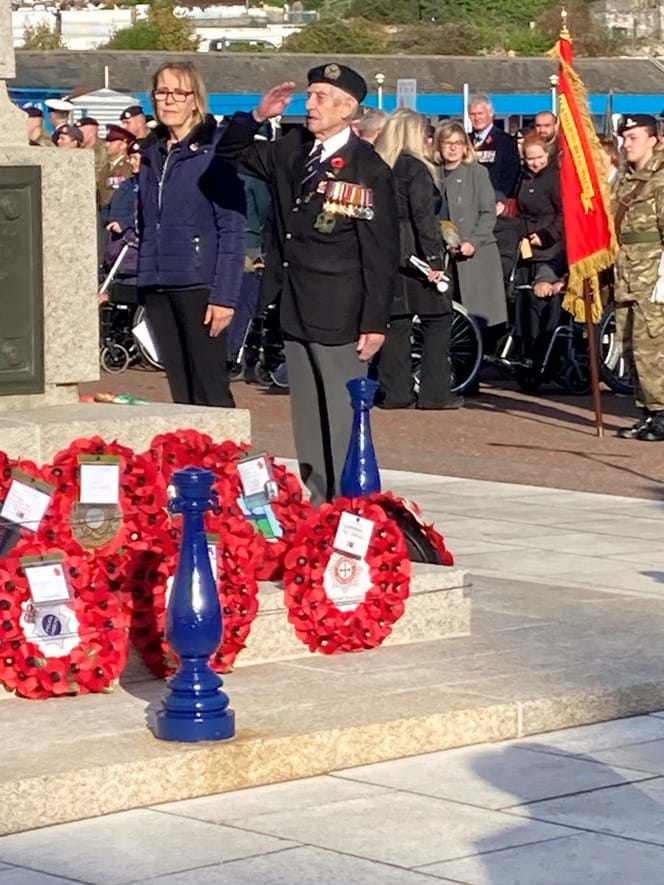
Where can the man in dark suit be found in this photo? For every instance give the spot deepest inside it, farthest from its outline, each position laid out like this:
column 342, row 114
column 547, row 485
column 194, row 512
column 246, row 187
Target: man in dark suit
column 333, row 257
column 494, row 148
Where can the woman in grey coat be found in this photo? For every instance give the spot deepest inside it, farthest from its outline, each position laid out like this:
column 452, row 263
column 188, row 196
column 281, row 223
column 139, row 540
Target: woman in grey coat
column 469, row 202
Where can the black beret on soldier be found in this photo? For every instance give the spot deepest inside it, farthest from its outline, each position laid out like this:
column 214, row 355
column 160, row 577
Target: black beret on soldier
column 33, row 111
column 132, row 111
column 634, row 121
column 340, row 76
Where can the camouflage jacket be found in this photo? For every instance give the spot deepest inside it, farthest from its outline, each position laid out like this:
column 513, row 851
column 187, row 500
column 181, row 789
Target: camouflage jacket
column 641, row 234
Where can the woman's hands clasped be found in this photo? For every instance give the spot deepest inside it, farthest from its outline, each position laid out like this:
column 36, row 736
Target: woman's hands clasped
column 217, row 318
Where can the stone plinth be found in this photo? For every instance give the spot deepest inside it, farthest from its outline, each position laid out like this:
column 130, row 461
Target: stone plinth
column 71, row 324
column 39, row 433
column 7, row 65
column 439, row 607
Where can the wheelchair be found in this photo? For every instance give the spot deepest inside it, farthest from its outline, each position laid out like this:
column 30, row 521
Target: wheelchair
column 119, row 348
column 615, row 368
column 558, row 356
column 465, row 353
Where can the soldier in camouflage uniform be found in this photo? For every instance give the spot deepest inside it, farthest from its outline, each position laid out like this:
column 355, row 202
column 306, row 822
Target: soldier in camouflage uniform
column 640, row 231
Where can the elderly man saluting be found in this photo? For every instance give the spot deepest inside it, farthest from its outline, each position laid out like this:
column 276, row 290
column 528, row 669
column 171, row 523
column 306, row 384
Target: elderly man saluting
column 333, row 258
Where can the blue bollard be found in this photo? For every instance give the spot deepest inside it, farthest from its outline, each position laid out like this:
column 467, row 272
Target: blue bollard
column 360, row 476
column 196, row 707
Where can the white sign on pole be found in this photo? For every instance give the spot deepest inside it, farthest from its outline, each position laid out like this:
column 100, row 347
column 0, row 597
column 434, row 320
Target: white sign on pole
column 407, row 94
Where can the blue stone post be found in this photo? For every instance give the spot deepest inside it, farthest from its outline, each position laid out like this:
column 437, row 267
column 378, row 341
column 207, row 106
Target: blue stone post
column 360, row 476
column 196, row 707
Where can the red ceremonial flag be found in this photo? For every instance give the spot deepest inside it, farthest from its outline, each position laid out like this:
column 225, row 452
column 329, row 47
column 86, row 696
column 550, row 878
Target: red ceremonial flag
column 589, row 231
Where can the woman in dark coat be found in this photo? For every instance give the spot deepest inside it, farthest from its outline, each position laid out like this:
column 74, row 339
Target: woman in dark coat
column 543, row 248
column 191, row 227
column 402, row 144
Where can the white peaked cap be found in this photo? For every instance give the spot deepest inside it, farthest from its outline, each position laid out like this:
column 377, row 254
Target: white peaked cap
column 59, row 104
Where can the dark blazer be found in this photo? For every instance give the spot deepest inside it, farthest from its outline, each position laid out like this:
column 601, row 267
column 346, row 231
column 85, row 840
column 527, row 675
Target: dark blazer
column 499, row 154
column 418, row 201
column 191, row 217
column 541, row 210
column 123, row 205
column 333, row 285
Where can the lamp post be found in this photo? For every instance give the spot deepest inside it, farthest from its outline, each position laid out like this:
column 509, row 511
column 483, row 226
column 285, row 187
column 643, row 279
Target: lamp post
column 554, row 79
column 380, row 79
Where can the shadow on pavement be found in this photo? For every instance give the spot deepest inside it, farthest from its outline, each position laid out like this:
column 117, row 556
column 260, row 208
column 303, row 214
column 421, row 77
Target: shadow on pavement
column 581, row 853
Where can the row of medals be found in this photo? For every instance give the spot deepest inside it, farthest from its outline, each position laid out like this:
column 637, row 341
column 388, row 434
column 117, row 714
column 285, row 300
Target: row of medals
column 350, row 200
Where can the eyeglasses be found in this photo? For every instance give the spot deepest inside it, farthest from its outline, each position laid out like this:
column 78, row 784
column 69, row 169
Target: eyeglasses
column 178, row 95
column 454, row 144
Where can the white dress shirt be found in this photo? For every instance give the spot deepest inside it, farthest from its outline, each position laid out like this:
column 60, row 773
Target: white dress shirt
column 333, row 144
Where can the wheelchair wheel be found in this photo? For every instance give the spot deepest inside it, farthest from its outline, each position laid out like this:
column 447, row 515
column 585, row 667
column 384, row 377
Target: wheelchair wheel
column 236, row 372
column 262, row 376
column 114, row 358
column 279, row 376
column 465, row 350
column 614, row 367
column 528, row 380
column 576, row 379
column 139, row 316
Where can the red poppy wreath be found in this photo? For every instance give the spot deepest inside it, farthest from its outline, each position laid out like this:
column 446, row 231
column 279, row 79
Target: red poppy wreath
column 184, row 448
column 331, row 626
column 413, row 514
column 147, row 587
column 72, row 646
column 113, row 531
column 237, row 553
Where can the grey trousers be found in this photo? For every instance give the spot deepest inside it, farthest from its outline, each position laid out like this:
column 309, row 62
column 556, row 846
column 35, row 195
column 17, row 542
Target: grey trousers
column 321, row 409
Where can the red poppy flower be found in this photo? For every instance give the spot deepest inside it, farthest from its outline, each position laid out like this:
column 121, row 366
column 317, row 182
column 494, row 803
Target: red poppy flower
column 337, row 162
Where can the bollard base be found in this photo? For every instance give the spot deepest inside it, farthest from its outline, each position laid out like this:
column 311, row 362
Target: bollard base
column 173, row 727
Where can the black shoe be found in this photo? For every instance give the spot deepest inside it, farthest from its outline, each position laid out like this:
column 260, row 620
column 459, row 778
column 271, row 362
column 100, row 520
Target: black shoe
column 456, row 403
column 654, row 431
column 388, row 405
column 634, row 432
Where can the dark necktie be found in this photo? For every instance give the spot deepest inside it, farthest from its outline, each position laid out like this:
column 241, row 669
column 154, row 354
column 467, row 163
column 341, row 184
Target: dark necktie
column 312, row 166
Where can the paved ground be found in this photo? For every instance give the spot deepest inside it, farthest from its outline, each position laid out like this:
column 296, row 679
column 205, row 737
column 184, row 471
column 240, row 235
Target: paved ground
column 501, row 435
column 568, row 538
column 578, row 807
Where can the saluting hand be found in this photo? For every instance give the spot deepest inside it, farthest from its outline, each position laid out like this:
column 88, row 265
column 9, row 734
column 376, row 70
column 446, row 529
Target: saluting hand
column 368, row 345
column 217, row 318
column 274, row 102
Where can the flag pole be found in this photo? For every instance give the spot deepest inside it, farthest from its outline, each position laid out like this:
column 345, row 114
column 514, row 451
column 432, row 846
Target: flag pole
column 593, row 354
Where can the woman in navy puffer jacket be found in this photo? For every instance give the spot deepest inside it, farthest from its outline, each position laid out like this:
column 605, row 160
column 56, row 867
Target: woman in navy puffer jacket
column 191, row 225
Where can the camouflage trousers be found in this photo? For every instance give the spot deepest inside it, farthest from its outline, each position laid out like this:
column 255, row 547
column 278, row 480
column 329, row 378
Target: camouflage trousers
column 640, row 331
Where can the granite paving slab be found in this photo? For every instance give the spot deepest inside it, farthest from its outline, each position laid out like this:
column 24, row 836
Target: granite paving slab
column 586, row 859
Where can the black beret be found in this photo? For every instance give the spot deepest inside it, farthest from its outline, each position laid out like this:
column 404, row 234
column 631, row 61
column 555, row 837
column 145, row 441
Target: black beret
column 633, row 121
column 339, row 75
column 70, row 130
column 32, row 111
column 134, row 147
column 132, row 111
column 87, row 121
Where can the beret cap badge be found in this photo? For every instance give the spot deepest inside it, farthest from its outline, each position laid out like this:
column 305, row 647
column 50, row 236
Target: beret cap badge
column 332, row 72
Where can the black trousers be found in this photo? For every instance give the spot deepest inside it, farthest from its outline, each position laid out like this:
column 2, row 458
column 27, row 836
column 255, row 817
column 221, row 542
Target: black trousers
column 395, row 368
column 195, row 363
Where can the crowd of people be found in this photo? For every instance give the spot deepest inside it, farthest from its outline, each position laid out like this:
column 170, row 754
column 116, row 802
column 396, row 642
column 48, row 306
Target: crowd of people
column 363, row 220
